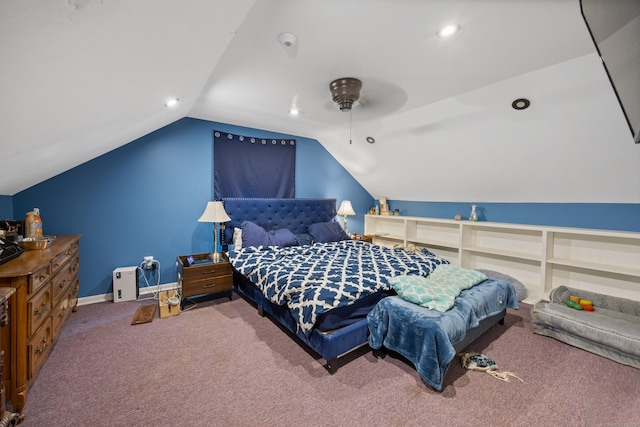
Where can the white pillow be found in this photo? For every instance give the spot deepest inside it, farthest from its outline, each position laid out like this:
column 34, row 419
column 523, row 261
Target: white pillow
column 237, row 238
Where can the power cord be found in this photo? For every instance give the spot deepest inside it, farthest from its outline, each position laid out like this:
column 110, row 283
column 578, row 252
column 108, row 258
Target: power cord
column 143, row 277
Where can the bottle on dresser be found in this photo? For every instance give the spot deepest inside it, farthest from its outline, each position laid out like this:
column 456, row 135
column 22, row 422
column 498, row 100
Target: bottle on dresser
column 28, row 224
column 37, row 223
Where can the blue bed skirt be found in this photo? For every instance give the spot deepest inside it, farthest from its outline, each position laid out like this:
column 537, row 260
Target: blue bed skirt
column 328, row 345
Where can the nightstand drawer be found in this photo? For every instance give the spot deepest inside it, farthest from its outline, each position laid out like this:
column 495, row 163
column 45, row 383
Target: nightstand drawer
column 208, row 285
column 205, row 271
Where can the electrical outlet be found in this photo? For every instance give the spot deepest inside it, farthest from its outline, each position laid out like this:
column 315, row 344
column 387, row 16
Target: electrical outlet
column 148, row 262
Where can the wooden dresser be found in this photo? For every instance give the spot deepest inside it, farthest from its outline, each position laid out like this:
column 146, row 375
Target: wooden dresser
column 46, row 290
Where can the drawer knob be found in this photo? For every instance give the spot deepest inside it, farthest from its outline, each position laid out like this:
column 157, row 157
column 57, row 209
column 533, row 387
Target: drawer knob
column 42, row 309
column 40, row 350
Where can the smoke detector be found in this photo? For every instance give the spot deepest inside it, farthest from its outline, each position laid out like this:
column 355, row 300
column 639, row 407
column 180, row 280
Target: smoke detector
column 287, row 39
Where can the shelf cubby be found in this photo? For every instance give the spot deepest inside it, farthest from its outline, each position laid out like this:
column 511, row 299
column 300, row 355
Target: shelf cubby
column 541, row 257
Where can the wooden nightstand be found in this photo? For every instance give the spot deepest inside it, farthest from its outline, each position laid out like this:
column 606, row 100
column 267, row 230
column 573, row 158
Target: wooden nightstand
column 204, row 277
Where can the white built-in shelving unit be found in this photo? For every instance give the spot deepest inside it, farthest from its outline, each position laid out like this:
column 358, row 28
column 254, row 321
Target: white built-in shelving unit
column 540, row 257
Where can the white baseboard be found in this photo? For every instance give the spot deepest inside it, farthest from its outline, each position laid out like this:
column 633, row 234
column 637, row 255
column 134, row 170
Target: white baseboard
column 144, row 292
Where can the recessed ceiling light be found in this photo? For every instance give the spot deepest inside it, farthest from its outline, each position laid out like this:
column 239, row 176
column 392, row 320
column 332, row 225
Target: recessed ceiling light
column 294, row 112
column 171, row 102
column 448, row 30
column 520, row 104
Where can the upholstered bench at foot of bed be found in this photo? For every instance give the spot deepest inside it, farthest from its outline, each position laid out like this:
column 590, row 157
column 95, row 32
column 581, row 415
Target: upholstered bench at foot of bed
column 430, row 339
column 611, row 331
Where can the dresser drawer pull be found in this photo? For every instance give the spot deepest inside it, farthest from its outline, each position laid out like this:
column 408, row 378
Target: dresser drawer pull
column 42, row 309
column 42, row 277
column 56, row 265
column 213, row 285
column 40, row 350
column 63, row 283
column 208, row 271
column 62, row 312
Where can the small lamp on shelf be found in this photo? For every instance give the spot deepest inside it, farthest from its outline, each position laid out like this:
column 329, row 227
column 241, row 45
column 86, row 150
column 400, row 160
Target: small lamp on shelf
column 345, row 210
column 215, row 213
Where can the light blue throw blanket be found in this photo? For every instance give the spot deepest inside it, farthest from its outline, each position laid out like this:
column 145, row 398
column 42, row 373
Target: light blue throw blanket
column 426, row 337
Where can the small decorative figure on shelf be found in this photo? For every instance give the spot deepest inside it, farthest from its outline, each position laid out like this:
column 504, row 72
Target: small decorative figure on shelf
column 474, row 215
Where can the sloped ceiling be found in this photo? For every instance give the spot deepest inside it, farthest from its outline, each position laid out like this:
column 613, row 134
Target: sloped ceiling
column 82, row 77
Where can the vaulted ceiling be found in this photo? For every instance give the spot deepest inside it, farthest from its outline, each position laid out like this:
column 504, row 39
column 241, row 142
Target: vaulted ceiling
column 80, row 78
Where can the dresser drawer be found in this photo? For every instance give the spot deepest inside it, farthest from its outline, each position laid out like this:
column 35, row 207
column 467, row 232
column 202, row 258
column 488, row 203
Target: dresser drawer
column 63, row 257
column 38, row 309
column 38, row 348
column 207, row 285
column 75, row 288
column 61, row 281
column 61, row 312
column 38, row 278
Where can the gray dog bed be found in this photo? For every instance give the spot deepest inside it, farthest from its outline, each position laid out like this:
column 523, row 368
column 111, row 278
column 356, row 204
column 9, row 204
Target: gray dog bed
column 611, row 331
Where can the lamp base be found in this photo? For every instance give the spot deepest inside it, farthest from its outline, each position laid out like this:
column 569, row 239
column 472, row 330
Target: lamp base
column 216, row 257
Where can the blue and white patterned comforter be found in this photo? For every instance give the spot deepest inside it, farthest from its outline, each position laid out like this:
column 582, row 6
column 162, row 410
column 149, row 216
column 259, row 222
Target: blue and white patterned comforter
column 311, row 280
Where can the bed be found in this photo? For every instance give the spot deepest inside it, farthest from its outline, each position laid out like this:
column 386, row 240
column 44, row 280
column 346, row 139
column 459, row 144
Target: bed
column 338, row 324
column 337, row 281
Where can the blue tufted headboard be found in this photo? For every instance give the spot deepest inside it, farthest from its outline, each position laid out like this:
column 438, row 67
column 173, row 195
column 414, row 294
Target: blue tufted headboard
column 272, row 214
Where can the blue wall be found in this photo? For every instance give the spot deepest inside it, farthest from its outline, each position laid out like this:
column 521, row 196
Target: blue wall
column 606, row 216
column 6, row 207
column 145, row 198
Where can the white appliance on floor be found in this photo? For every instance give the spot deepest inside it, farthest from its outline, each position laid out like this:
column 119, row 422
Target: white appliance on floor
column 125, row 284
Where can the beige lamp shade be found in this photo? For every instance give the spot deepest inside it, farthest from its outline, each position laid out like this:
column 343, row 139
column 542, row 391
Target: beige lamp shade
column 346, row 208
column 214, row 212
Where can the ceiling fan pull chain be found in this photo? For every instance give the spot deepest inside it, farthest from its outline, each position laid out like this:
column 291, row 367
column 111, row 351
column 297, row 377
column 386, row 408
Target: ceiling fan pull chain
column 349, row 127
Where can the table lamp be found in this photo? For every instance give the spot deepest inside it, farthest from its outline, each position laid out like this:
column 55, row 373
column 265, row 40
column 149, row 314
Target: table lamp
column 215, row 213
column 345, row 210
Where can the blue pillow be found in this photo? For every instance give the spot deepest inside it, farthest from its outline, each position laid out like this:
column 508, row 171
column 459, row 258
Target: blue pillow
column 254, row 235
column 325, row 232
column 304, row 239
column 282, row 237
